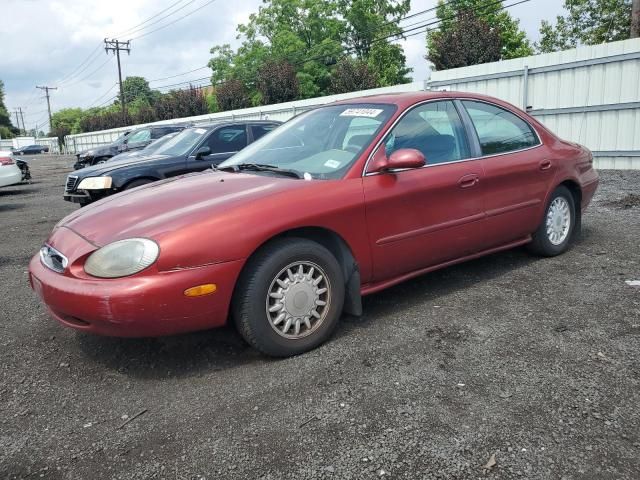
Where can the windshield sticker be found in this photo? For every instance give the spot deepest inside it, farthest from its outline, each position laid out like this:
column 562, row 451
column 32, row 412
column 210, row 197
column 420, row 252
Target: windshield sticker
column 362, row 112
column 200, row 131
column 332, row 164
column 307, row 176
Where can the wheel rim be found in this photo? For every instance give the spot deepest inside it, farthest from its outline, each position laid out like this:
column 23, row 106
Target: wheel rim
column 298, row 300
column 558, row 221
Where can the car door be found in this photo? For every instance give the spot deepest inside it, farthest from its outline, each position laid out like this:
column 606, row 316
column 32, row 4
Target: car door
column 223, row 143
column 426, row 216
column 517, row 173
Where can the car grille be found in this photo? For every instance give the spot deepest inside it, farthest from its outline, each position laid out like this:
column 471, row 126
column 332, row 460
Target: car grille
column 71, row 183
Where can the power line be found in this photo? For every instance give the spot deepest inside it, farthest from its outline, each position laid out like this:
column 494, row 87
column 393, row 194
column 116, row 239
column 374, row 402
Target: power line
column 176, row 20
column 116, row 47
column 177, row 75
column 79, row 68
column 125, row 32
column 132, row 31
column 103, row 95
column 109, row 59
column 46, row 93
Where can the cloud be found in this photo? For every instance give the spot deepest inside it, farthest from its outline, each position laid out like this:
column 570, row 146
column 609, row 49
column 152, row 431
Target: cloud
column 45, row 41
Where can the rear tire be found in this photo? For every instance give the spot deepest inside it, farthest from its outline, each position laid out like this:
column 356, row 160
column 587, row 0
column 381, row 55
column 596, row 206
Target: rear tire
column 556, row 230
column 289, row 297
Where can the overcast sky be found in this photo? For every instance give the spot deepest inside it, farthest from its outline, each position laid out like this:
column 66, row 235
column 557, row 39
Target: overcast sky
column 44, row 42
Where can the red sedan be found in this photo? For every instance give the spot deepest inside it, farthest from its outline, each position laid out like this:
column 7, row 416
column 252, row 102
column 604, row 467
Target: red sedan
column 339, row 202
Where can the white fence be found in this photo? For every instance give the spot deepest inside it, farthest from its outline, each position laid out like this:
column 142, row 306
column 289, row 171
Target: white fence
column 281, row 111
column 590, row 95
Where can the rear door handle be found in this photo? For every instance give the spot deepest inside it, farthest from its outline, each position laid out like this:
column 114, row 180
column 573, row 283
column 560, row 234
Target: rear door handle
column 469, row 181
column 545, row 164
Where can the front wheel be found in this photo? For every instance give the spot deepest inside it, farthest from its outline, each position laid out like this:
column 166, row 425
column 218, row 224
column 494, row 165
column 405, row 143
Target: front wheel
column 554, row 234
column 289, row 297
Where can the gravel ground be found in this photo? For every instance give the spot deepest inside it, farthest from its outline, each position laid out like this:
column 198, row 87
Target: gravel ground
column 532, row 361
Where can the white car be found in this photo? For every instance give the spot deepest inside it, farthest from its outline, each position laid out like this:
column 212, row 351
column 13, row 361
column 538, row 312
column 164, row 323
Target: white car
column 9, row 172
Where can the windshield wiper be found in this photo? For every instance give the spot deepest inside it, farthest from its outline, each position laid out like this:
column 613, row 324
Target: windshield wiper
column 259, row 167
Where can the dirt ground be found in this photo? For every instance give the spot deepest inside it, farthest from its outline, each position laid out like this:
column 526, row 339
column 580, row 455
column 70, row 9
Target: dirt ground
column 533, row 361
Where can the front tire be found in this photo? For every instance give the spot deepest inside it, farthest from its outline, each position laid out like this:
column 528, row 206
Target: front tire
column 289, row 297
column 555, row 232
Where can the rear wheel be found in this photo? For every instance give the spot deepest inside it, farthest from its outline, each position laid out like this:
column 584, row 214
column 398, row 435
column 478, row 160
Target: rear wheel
column 554, row 234
column 289, row 298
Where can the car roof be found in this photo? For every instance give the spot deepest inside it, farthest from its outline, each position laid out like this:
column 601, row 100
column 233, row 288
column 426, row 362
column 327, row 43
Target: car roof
column 405, row 99
column 235, row 122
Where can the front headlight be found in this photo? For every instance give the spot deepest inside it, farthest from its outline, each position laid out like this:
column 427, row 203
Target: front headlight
column 95, row 183
column 122, row 258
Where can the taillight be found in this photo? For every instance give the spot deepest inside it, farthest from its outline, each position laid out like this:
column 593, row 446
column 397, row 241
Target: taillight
column 6, row 161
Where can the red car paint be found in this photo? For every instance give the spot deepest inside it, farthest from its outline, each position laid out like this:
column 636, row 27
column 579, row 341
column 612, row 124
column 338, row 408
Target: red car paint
column 397, row 226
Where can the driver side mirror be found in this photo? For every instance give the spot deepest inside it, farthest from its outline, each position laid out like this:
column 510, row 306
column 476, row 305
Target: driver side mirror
column 400, row 159
column 202, row 152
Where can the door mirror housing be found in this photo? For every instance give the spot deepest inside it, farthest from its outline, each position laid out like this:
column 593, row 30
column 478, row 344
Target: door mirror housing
column 400, row 159
column 203, row 152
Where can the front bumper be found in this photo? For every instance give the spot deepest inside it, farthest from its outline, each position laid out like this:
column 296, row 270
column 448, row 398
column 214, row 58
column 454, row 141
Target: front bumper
column 147, row 304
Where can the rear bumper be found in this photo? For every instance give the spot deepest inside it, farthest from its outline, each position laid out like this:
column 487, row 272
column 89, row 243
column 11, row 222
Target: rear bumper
column 144, row 305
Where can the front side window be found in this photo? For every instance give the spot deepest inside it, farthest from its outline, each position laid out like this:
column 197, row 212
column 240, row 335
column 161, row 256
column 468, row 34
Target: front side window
column 322, row 143
column 228, row 139
column 499, row 131
column 435, row 129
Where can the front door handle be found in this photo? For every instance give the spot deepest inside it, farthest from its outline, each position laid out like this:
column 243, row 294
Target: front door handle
column 468, row 181
column 545, row 164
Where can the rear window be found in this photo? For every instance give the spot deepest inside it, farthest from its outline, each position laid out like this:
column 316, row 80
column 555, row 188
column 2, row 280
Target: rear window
column 499, row 131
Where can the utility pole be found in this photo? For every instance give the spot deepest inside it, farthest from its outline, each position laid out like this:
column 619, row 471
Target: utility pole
column 116, row 47
column 19, row 111
column 46, row 92
column 635, row 19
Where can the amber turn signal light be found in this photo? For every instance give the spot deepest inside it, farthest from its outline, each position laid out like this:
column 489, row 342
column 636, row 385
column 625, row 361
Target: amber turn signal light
column 200, row 290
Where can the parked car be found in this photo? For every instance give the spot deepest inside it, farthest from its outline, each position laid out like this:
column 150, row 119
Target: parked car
column 192, row 150
column 134, row 140
column 23, row 165
column 10, row 173
column 146, row 151
column 31, row 150
column 342, row 201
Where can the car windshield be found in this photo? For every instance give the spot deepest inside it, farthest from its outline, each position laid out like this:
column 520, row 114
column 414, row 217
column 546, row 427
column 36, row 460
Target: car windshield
column 182, row 143
column 321, row 144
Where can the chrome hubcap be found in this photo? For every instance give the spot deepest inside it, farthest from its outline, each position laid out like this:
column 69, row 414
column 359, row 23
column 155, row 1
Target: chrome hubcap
column 298, row 300
column 558, row 221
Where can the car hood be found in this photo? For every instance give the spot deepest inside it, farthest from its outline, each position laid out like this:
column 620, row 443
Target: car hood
column 166, row 208
column 110, row 165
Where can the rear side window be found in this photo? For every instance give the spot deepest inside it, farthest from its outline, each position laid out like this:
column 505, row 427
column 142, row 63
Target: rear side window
column 260, row 131
column 499, row 131
column 228, row 139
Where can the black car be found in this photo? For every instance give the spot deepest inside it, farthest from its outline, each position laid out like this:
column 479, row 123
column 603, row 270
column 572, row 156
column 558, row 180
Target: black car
column 134, row 140
column 192, row 150
column 31, row 150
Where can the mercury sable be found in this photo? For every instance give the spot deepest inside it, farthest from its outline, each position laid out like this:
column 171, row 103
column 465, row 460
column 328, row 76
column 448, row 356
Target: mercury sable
column 339, row 202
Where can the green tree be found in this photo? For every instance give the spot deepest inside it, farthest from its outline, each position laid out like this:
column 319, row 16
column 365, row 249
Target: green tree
column 587, row 22
column 66, row 121
column 7, row 130
column 514, row 41
column 313, row 37
column 469, row 42
column 351, row 75
column 369, row 27
column 277, row 82
column 136, row 88
column 232, row 95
